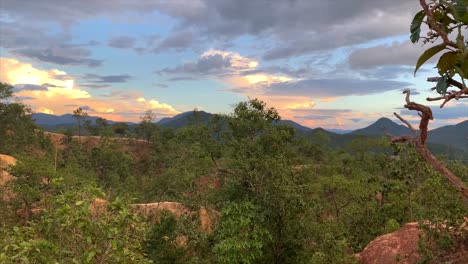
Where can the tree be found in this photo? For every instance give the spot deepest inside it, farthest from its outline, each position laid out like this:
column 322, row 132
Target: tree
column 99, row 128
column 75, row 229
column 445, row 19
column 17, row 129
column 120, row 128
column 266, row 199
column 146, row 128
column 80, row 116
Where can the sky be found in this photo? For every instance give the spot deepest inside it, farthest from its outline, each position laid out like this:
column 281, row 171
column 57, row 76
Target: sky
column 334, row 64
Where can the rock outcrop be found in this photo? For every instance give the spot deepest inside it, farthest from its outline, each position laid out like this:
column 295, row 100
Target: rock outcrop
column 397, row 247
column 5, row 177
column 207, row 217
column 401, row 247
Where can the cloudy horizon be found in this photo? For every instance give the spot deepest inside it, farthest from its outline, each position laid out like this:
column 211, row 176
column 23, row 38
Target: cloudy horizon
column 333, row 64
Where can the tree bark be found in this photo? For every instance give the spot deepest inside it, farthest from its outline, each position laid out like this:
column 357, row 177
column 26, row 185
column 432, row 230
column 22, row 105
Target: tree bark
column 440, row 167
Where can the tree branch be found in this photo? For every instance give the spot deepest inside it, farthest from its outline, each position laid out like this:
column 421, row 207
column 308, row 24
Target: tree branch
column 406, row 123
column 452, row 95
column 419, row 142
column 433, row 24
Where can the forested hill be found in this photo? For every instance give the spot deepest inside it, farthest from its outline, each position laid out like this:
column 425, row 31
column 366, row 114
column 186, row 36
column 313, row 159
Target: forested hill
column 444, row 140
column 376, row 128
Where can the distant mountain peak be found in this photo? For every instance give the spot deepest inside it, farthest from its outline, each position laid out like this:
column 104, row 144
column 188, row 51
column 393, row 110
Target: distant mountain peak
column 376, row 128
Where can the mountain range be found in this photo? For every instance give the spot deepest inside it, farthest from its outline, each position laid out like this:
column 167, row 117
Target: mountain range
column 450, row 140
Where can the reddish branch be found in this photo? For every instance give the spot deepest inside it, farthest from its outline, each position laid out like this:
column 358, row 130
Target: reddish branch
column 419, row 141
column 462, row 93
column 433, row 24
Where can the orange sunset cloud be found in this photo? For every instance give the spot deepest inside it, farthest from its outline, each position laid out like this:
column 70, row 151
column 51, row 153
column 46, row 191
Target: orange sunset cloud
column 54, row 92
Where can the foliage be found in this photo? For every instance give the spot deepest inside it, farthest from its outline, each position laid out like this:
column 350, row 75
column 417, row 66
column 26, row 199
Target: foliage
column 241, row 238
column 446, row 20
column 18, row 133
column 80, row 116
column 161, row 246
column 146, row 128
column 282, row 198
column 70, row 231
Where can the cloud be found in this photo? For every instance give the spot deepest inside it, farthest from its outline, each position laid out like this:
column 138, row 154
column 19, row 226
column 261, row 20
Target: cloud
column 405, row 53
column 320, row 88
column 161, row 85
column 95, row 78
column 413, row 91
column 60, row 55
column 320, row 114
column 333, row 118
column 122, row 42
column 297, row 72
column 178, row 41
column 30, row 87
column 292, row 28
column 86, row 108
column 214, row 62
column 454, row 111
column 54, row 91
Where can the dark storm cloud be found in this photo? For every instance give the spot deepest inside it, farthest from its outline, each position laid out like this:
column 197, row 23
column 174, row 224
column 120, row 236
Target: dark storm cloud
column 95, row 78
column 333, row 87
column 60, row 55
column 122, row 42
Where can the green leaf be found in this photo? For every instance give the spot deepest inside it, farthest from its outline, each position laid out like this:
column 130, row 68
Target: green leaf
column 442, row 85
column 415, row 28
column 427, row 55
column 446, row 62
column 463, row 71
column 459, row 10
column 79, row 203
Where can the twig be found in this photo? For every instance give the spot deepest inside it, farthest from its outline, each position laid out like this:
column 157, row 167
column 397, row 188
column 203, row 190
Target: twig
column 433, row 24
column 406, row 123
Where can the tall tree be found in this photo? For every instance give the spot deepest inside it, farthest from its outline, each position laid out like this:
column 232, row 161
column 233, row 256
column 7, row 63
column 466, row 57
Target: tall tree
column 80, row 116
column 16, row 124
column 146, row 128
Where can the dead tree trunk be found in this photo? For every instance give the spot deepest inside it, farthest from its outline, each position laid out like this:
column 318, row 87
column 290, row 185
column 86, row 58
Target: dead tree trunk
column 418, row 139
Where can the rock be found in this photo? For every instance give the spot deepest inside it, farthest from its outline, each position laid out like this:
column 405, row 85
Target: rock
column 5, row 177
column 177, row 209
column 397, row 247
column 207, row 217
column 5, row 162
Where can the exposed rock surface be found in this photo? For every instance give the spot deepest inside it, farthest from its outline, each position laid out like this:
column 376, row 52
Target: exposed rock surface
column 207, row 217
column 397, row 247
column 401, row 247
column 5, row 162
column 5, row 177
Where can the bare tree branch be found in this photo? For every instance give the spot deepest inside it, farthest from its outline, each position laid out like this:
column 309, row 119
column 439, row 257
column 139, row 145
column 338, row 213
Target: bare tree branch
column 406, row 123
column 419, row 142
